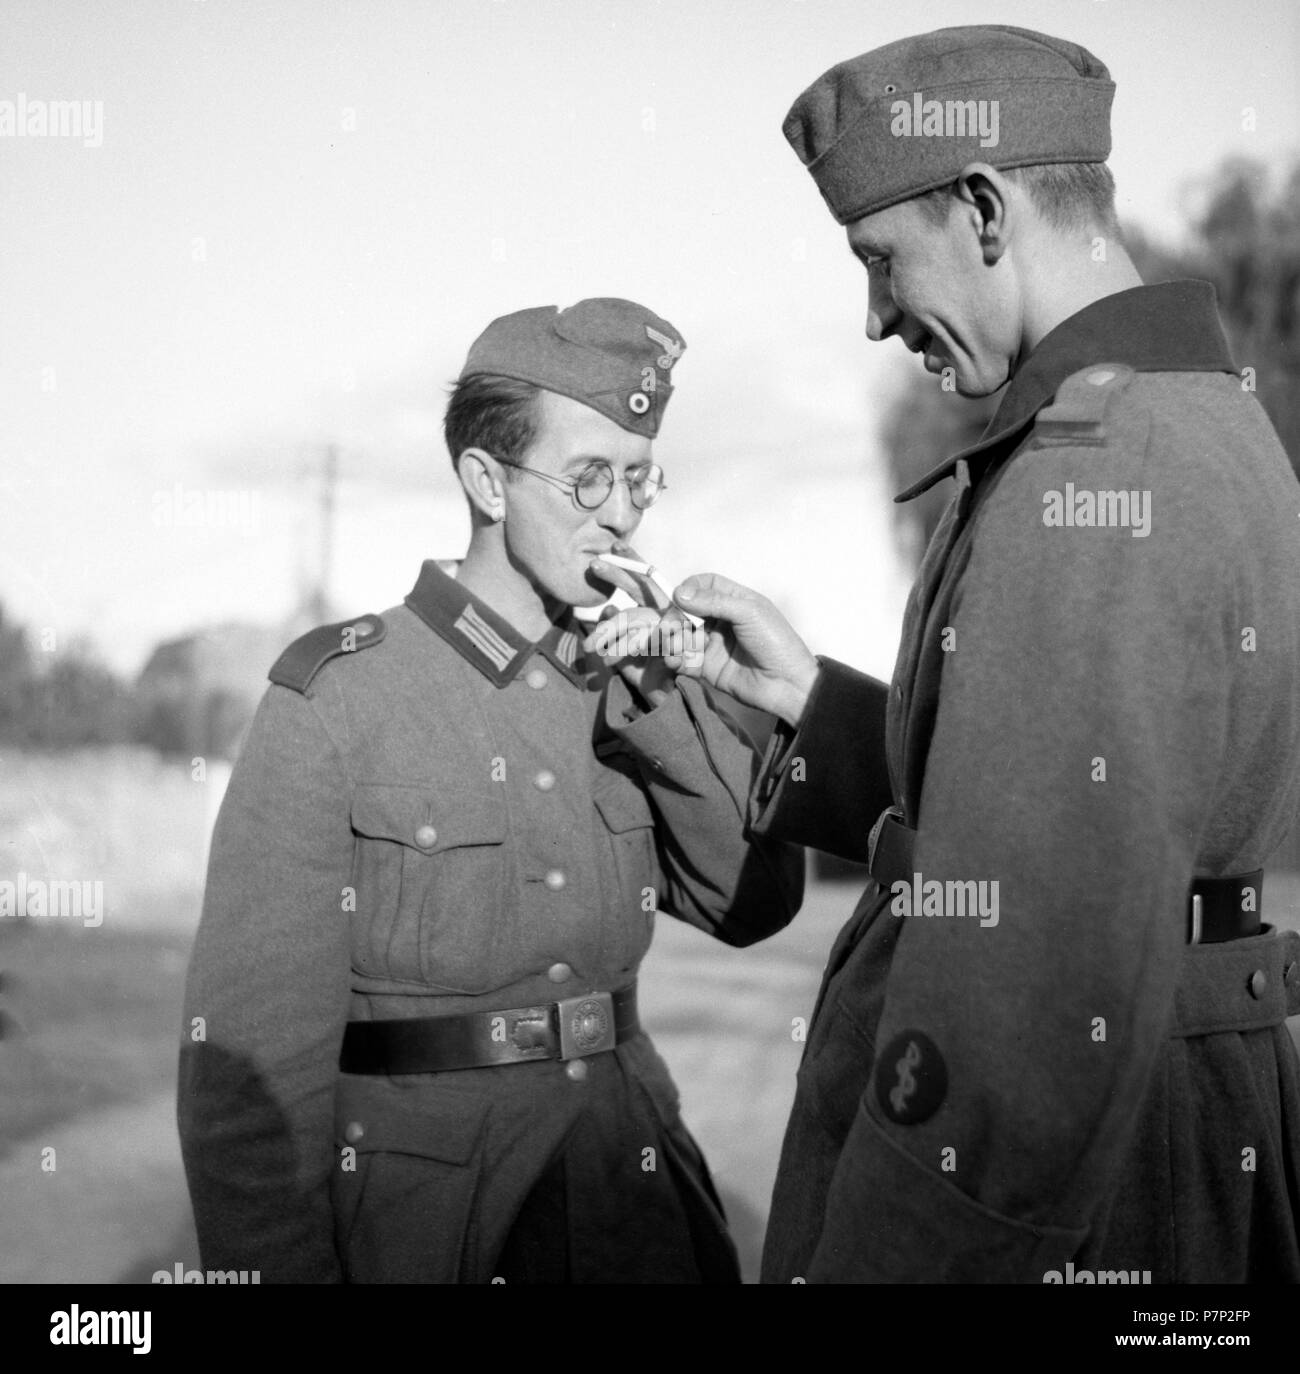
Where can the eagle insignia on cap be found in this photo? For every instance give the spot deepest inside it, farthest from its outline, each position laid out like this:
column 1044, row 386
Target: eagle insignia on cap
column 672, row 349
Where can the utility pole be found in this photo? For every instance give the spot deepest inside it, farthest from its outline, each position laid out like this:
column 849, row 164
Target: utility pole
column 318, row 601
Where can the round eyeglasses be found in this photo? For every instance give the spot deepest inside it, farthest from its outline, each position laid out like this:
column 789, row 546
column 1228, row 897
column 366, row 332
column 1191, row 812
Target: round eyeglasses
column 593, row 485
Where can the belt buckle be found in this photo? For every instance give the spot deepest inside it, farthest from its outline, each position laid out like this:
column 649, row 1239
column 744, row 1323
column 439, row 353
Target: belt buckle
column 586, row 1024
column 1194, row 936
column 890, row 812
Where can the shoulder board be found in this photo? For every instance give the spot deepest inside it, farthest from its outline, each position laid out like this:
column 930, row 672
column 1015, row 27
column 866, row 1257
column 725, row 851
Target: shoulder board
column 305, row 657
column 1077, row 412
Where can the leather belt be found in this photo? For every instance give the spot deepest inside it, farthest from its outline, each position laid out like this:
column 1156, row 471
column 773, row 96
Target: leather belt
column 1214, row 905
column 571, row 1029
column 889, row 848
column 1215, row 908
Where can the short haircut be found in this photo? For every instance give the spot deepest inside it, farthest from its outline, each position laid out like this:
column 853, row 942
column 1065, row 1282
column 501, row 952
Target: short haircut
column 1068, row 195
column 497, row 414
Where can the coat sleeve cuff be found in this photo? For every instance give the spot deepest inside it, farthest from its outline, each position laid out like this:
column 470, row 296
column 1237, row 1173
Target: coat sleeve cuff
column 663, row 741
column 890, row 1219
column 824, row 784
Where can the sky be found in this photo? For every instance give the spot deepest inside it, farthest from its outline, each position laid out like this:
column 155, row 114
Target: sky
column 284, row 224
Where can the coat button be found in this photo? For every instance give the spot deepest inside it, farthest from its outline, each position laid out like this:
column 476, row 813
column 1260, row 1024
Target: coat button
column 1258, row 984
column 555, row 879
column 544, row 781
column 536, row 679
column 559, row 973
column 426, row 837
column 353, row 1132
column 577, row 1070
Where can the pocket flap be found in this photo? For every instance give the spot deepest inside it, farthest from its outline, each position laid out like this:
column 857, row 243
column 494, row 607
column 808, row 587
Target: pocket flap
column 373, row 1114
column 623, row 807
column 427, row 818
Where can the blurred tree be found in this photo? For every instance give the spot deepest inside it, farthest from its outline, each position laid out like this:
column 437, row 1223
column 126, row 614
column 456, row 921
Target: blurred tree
column 78, row 702
column 69, row 701
column 1244, row 237
column 16, row 672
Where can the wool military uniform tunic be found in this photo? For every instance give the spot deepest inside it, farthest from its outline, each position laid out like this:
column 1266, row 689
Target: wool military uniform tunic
column 1087, row 716
column 455, row 820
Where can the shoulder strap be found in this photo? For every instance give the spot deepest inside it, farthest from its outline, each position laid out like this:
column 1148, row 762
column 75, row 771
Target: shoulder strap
column 306, row 656
column 1078, row 409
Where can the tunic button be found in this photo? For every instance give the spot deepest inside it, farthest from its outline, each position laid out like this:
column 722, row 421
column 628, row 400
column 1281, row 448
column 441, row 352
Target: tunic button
column 1258, row 983
column 555, row 879
column 544, row 781
column 536, row 679
column 577, row 1070
column 354, row 1131
column 559, row 973
column 426, row 837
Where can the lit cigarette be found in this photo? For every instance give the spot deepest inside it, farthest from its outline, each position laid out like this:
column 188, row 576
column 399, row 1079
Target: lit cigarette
column 644, row 570
column 630, row 564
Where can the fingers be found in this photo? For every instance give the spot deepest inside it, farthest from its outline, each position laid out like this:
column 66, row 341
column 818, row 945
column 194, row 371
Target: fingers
column 642, row 588
column 657, row 597
column 645, row 633
column 718, row 598
column 624, row 634
column 684, row 650
column 616, row 577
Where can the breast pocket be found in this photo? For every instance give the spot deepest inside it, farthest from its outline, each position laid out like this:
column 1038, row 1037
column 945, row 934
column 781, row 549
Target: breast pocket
column 432, row 878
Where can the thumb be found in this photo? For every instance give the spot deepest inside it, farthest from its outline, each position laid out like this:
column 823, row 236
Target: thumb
column 716, row 598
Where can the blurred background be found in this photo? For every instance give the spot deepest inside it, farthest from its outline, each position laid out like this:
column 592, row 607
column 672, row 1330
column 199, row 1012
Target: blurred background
column 232, row 296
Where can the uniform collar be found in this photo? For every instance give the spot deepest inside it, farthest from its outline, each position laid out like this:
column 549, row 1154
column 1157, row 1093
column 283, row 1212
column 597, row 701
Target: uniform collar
column 482, row 637
column 1172, row 327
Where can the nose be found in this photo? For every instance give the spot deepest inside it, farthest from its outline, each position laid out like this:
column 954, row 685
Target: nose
column 618, row 514
column 882, row 314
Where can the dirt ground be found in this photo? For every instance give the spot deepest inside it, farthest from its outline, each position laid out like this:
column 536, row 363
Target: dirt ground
column 115, row 1209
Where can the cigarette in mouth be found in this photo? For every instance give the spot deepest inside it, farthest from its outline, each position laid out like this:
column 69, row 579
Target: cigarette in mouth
column 645, row 570
column 630, row 564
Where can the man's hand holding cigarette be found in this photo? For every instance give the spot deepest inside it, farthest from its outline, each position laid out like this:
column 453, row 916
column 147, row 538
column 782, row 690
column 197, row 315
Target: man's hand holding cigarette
column 649, row 643
column 750, row 650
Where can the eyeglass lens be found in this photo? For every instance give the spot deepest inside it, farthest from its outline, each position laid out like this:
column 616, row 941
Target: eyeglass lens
column 597, row 481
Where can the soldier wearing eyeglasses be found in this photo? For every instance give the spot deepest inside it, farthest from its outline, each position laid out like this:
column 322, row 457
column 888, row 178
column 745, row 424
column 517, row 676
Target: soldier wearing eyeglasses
column 436, row 872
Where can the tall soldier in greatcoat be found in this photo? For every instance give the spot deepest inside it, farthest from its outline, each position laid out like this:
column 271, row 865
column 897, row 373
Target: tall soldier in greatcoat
column 412, row 1051
column 1051, row 1040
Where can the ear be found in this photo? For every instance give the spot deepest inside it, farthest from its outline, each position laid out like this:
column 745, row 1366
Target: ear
column 984, row 194
column 481, row 476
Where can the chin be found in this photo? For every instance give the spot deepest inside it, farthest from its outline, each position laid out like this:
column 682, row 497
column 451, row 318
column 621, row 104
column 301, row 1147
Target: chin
column 584, row 593
column 974, row 387
column 591, row 598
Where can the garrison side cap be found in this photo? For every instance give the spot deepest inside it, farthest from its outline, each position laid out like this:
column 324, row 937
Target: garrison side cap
column 307, row 655
column 906, row 118
column 611, row 354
